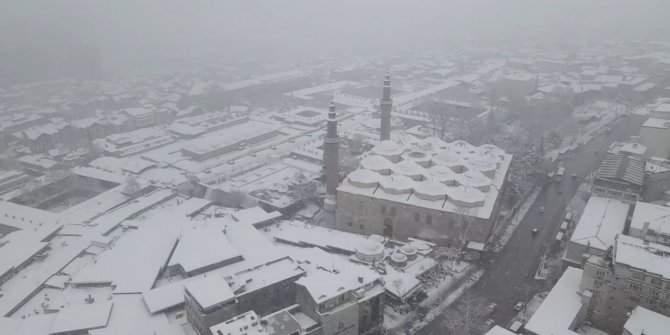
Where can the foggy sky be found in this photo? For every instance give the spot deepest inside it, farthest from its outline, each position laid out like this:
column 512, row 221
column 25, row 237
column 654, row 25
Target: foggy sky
column 127, row 30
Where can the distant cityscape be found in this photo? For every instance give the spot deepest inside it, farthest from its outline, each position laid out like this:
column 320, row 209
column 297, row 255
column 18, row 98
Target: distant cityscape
column 459, row 191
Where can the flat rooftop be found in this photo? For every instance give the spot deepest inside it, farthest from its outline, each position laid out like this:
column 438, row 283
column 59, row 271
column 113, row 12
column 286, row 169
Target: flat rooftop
column 560, row 308
column 601, row 221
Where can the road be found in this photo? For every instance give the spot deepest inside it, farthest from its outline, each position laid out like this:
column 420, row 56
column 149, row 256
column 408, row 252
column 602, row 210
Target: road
column 509, row 276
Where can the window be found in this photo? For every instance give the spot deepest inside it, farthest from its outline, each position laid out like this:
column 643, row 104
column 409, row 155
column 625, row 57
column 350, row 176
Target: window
column 638, row 275
column 350, row 224
column 383, row 210
column 392, row 211
column 417, row 217
column 656, row 281
column 597, row 283
column 429, row 219
column 600, row 273
column 361, row 226
column 633, row 287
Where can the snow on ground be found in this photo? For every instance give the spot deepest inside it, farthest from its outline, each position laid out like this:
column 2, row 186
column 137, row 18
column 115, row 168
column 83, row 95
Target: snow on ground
column 521, row 213
column 450, row 299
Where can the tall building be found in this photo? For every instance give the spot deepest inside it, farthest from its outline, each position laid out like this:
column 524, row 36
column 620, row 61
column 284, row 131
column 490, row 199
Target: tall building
column 331, row 149
column 634, row 273
column 385, row 107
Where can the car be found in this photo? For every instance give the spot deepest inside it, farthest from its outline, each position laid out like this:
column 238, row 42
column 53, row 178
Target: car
column 560, row 190
column 519, row 306
column 542, row 209
column 574, row 176
column 534, row 231
column 492, row 307
column 490, row 323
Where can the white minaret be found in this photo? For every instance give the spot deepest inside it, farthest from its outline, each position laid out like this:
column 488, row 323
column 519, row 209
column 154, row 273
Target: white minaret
column 332, row 160
column 385, row 107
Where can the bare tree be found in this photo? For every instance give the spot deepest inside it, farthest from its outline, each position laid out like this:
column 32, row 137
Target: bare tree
column 132, row 185
column 465, row 320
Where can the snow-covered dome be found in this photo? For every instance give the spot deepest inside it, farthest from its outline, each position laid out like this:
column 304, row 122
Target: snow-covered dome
column 430, row 190
column 397, row 184
column 475, row 179
column 387, row 148
column 370, row 251
column 409, row 251
column 409, row 169
column 466, row 196
column 364, row 178
column 377, row 163
column 398, row 259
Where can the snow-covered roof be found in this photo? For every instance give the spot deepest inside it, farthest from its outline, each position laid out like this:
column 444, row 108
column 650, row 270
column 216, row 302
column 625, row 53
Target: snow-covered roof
column 243, row 324
column 650, row 257
column 645, row 322
column 601, row 221
column 229, row 136
column 24, row 217
column 426, row 172
column 657, row 123
column 662, row 108
column 657, row 216
column 120, row 165
column 497, row 330
column 210, row 291
column 81, row 317
column 628, row 148
column 255, row 215
column 202, row 246
column 560, row 308
column 42, row 161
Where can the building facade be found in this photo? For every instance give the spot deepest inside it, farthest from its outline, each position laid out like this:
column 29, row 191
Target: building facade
column 448, row 193
column 633, row 273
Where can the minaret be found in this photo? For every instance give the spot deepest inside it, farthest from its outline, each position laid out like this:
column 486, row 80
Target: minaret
column 331, row 153
column 385, row 107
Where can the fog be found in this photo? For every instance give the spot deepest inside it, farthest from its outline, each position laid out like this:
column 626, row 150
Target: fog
column 130, row 34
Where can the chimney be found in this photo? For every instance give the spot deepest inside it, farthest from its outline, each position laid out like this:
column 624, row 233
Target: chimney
column 645, row 230
column 360, row 279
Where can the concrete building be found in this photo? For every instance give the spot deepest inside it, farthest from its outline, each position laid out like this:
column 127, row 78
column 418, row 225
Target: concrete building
column 448, row 193
column 634, row 273
column 289, row 321
column 620, row 177
column 385, row 107
column 596, row 230
column 645, row 322
column 655, row 134
column 332, row 161
column 343, row 305
column 651, row 223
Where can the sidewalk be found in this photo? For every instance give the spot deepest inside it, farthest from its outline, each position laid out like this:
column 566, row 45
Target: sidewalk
column 514, row 221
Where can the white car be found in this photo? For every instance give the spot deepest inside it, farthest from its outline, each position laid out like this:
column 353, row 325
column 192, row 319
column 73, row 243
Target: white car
column 492, row 307
column 490, row 323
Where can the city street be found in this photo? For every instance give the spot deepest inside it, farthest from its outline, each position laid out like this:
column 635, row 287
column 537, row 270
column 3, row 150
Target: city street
column 509, row 276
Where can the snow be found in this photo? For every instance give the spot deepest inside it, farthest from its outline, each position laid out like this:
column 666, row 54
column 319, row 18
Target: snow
column 201, row 247
column 41, row 161
column 657, row 216
column 255, row 216
column 229, row 136
column 111, row 220
column 560, row 307
column 643, row 321
column 134, row 262
column 130, row 317
column 82, row 317
column 120, row 165
column 497, row 330
column 24, row 217
column 650, row 257
column 601, row 221
column 476, row 190
column 210, row 291
column 399, row 284
column 657, row 123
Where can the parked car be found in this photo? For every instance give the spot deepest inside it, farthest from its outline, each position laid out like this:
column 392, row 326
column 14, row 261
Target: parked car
column 534, row 231
column 490, row 323
column 560, row 190
column 492, row 307
column 519, row 306
column 542, row 209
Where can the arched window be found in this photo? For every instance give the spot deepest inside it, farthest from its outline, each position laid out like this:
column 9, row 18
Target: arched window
column 393, row 211
column 417, row 217
column 429, row 219
column 383, row 211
